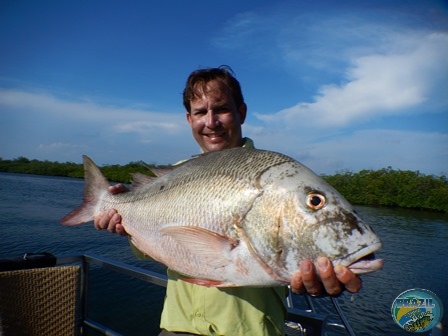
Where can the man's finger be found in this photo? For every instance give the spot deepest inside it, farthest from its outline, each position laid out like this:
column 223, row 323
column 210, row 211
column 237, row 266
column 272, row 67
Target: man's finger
column 297, row 286
column 350, row 280
column 117, row 189
column 328, row 276
column 312, row 284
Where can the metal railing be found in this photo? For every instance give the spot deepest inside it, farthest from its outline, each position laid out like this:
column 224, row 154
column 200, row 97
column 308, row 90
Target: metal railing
column 299, row 322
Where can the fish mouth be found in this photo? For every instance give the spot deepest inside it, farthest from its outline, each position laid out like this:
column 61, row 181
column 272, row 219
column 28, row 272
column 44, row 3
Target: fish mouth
column 364, row 260
column 366, row 264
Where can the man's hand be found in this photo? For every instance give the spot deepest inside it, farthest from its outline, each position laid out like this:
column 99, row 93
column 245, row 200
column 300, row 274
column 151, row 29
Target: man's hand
column 110, row 220
column 332, row 280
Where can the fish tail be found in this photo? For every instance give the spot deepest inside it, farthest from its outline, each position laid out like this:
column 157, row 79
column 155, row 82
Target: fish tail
column 94, row 186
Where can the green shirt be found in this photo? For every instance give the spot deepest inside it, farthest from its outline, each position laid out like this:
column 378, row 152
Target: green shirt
column 223, row 311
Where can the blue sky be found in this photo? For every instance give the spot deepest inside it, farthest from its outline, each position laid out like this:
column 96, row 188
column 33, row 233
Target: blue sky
column 338, row 85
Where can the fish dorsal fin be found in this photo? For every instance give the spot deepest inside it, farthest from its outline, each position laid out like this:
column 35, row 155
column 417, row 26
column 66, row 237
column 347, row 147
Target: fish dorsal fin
column 206, row 245
column 159, row 172
column 139, row 179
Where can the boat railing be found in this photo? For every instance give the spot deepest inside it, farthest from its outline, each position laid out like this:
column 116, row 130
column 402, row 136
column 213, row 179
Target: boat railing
column 299, row 321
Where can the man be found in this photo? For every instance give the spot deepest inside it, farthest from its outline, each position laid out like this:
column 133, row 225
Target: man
column 215, row 110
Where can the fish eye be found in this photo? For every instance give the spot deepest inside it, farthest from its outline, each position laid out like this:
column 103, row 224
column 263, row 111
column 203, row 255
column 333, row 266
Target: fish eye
column 315, row 201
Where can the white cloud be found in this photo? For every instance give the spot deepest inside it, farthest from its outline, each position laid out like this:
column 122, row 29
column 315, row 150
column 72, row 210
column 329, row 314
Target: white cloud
column 59, row 146
column 379, row 148
column 376, row 63
column 147, row 129
column 244, row 28
column 39, row 125
column 116, row 119
column 365, row 149
column 361, row 70
column 375, row 85
column 69, row 150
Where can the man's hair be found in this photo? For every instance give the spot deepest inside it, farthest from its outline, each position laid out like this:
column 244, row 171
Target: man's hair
column 198, row 80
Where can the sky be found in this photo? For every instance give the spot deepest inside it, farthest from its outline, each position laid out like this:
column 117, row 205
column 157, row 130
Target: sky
column 337, row 85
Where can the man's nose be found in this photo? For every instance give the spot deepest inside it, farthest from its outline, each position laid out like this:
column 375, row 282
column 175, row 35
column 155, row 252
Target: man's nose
column 212, row 119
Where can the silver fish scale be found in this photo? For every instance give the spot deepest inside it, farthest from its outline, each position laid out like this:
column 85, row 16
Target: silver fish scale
column 238, row 216
column 214, row 191
column 200, row 189
column 237, row 164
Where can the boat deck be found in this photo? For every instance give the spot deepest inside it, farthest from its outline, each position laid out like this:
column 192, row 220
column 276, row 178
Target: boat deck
column 45, row 295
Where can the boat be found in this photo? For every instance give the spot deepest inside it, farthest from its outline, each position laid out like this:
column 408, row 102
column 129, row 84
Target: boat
column 41, row 294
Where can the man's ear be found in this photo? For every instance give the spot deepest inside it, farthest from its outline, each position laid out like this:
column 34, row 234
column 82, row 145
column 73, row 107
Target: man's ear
column 242, row 111
column 188, row 116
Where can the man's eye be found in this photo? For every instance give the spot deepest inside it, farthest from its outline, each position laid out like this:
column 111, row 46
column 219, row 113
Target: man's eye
column 222, row 110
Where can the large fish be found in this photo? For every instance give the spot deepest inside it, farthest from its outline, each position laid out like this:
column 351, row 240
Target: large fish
column 238, row 217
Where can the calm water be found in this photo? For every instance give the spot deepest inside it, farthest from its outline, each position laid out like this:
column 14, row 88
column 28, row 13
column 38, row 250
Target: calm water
column 415, row 250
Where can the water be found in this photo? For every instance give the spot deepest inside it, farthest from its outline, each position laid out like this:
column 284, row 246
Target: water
column 415, row 252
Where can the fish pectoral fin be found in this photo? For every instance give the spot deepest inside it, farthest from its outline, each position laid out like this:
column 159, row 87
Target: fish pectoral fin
column 206, row 245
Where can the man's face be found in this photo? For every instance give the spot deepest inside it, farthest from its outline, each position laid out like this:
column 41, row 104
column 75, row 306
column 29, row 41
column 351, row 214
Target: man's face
column 215, row 120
